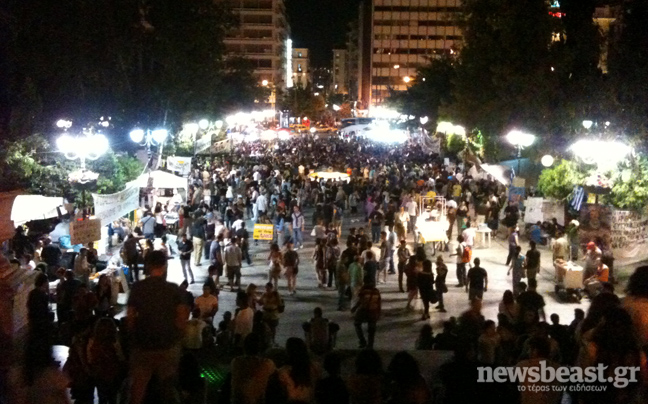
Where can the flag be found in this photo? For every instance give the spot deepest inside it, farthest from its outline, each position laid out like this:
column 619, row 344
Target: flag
column 578, row 196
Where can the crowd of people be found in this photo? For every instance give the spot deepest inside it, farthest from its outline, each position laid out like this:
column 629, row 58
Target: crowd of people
column 156, row 346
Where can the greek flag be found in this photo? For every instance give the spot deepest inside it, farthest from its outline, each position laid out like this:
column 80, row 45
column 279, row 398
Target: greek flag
column 578, row 196
column 512, row 174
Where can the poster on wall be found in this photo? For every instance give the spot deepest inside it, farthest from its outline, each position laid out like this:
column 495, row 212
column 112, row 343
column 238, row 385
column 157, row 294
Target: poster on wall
column 629, row 234
column 595, row 223
column 85, row 231
column 516, row 194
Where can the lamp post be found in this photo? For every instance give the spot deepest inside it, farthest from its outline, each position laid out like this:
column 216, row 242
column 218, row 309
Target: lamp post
column 149, row 138
column 85, row 146
column 520, row 140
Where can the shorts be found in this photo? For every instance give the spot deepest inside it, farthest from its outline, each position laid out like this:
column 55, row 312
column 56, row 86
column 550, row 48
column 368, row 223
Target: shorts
column 291, row 271
column 216, row 270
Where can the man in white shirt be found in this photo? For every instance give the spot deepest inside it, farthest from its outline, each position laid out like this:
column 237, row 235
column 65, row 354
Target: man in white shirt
column 297, row 225
column 208, row 304
column 262, row 205
column 469, row 234
column 237, row 225
column 412, row 211
column 256, row 176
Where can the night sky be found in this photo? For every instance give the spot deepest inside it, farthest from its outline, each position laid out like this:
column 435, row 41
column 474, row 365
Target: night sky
column 320, row 25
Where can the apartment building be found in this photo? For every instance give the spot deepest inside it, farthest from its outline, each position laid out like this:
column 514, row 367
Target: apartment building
column 398, row 36
column 300, row 67
column 340, row 71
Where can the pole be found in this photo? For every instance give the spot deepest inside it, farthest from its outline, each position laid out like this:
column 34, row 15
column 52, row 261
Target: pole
column 519, row 156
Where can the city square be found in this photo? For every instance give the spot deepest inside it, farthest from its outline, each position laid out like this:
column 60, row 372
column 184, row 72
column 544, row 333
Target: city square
column 307, row 202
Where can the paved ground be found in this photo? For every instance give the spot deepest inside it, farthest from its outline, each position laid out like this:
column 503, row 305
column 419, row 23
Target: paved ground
column 397, row 328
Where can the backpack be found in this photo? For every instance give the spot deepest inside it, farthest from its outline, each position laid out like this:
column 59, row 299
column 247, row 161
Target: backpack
column 466, row 256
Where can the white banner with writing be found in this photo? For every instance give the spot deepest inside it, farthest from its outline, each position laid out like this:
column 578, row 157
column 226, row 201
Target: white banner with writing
column 114, row 206
column 180, row 165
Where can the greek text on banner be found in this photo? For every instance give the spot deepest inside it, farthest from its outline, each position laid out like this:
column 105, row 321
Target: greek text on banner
column 263, row 231
column 114, row 206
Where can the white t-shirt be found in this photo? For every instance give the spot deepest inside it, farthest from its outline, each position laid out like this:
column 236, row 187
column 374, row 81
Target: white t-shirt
column 411, row 208
column 256, row 176
column 469, row 236
column 262, row 203
column 243, row 322
column 193, row 334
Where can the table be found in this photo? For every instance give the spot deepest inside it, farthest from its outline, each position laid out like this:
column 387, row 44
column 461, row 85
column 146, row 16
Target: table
column 485, row 232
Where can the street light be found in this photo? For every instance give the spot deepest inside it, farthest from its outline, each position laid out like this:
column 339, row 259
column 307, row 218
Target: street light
column 149, row 138
column 424, row 120
column 520, row 140
column 264, row 83
column 203, row 124
column 87, row 146
column 407, row 79
column 587, row 124
column 547, row 160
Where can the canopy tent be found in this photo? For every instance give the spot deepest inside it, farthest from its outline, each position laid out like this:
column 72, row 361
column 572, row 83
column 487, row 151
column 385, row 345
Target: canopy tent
column 327, row 175
column 499, row 172
column 16, row 210
column 161, row 179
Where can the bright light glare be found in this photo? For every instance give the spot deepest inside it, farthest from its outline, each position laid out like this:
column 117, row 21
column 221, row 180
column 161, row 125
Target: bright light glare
column 381, row 132
column 105, row 124
column 396, row 66
column 283, row 135
column 424, row 120
column 407, row 79
column 547, row 160
column 599, row 152
column 313, row 130
column 219, row 124
column 62, row 123
column 587, row 124
column 203, row 124
column 230, row 120
column 336, row 107
column 65, row 143
column 137, row 135
column 191, row 127
column 450, row 129
column 159, row 135
column 384, row 113
column 520, row 139
column 264, row 83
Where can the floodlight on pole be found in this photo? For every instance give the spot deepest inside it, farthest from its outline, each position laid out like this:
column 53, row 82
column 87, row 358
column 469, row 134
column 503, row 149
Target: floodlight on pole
column 547, row 160
column 203, row 124
column 520, row 140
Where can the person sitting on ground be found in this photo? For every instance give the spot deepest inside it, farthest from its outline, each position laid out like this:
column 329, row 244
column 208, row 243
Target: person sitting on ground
column 425, row 340
column 320, row 332
column 594, row 284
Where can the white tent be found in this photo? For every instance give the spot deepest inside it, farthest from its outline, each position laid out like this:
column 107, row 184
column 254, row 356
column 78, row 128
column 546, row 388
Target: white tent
column 35, row 207
column 161, row 179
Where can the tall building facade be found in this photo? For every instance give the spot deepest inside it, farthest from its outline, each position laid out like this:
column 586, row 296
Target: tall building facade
column 340, row 72
column 398, row 36
column 261, row 36
column 300, row 67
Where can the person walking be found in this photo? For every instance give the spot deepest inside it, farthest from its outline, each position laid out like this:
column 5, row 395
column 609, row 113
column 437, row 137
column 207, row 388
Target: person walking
column 319, row 258
column 275, row 259
column 403, row 255
column 272, row 306
column 216, row 259
column 513, row 243
column 425, row 283
column 198, row 238
column 185, row 247
column 297, row 225
column 463, row 258
column 533, row 261
column 518, row 263
column 233, row 259
column 367, row 310
column 291, row 265
column 477, row 281
column 440, row 282
column 155, row 319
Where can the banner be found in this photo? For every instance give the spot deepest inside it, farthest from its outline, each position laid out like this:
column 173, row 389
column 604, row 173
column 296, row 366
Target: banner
column 263, row 231
column 114, row 206
column 180, row 165
column 540, row 210
column 85, row 231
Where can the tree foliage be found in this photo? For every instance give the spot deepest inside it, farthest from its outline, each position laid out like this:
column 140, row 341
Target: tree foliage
column 30, row 165
column 558, row 181
column 137, row 61
column 630, row 189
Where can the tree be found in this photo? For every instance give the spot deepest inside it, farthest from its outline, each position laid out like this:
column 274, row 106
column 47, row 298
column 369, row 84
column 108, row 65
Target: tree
column 504, row 77
column 558, row 182
column 431, row 89
column 29, row 165
column 139, row 62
